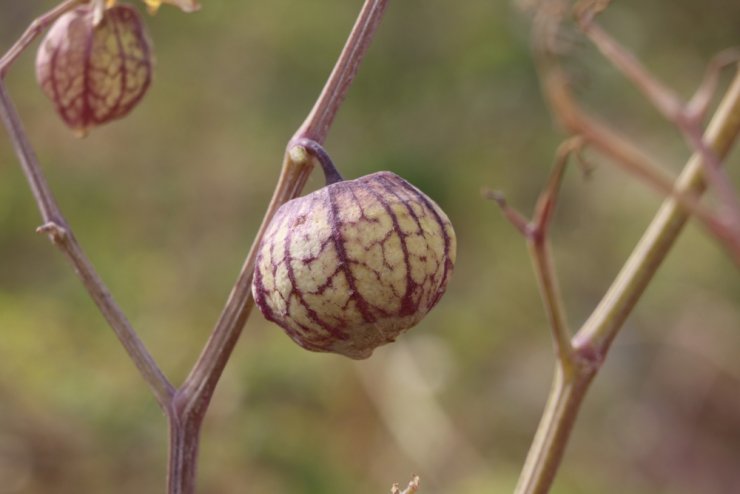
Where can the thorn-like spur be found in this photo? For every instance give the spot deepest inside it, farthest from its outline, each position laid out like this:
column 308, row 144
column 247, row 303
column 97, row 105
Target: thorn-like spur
column 520, row 222
column 57, row 234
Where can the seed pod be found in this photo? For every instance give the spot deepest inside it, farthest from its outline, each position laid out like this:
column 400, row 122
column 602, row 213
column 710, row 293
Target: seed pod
column 351, row 266
column 95, row 73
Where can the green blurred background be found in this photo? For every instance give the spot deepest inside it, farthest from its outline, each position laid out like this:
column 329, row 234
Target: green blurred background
column 167, row 201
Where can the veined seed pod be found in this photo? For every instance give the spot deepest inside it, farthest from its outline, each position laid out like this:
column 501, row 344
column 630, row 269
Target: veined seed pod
column 95, row 73
column 351, row 266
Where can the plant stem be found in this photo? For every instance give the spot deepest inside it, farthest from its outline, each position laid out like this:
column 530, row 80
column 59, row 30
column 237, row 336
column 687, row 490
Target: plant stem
column 316, row 126
column 184, row 439
column 593, row 340
column 540, row 251
column 566, row 394
column 60, row 234
column 192, row 399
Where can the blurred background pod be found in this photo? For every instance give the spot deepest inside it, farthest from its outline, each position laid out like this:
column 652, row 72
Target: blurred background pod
column 95, row 72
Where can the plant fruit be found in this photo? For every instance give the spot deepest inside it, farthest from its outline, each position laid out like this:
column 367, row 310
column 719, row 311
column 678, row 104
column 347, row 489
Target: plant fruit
column 351, row 266
column 95, row 73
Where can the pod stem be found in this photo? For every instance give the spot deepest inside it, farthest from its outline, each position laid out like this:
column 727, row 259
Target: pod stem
column 317, row 151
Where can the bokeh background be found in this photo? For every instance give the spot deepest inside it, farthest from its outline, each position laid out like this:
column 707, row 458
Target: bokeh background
column 167, row 201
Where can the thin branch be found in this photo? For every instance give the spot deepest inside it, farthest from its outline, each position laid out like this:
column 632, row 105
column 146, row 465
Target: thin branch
column 413, row 415
column 517, row 219
column 697, row 106
column 536, row 233
column 205, row 374
column 33, row 31
column 631, row 158
column 60, row 234
column 541, row 253
column 682, row 115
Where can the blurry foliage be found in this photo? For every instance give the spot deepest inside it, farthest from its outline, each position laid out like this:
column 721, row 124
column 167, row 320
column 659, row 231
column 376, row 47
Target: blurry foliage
column 167, row 201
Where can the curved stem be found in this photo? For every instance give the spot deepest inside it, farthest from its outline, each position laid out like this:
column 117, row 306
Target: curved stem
column 300, row 146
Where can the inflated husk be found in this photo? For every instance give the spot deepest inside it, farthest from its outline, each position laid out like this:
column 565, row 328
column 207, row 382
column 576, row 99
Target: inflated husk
column 95, row 73
column 351, row 266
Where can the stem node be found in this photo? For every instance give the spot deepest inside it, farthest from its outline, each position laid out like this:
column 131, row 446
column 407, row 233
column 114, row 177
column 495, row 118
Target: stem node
column 57, row 233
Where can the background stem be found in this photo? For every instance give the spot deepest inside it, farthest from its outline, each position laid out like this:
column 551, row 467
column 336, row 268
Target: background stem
column 594, row 338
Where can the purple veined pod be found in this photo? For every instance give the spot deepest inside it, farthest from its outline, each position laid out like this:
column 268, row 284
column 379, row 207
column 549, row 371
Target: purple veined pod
column 353, row 265
column 95, row 73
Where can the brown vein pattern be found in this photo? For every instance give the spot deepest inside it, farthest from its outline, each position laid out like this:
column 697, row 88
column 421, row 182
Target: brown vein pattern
column 351, row 266
column 95, row 74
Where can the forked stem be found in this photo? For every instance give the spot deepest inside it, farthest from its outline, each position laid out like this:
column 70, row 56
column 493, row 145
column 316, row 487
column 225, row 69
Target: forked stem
column 536, row 233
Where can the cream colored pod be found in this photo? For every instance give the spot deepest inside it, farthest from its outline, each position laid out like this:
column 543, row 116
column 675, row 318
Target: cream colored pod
column 351, row 266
